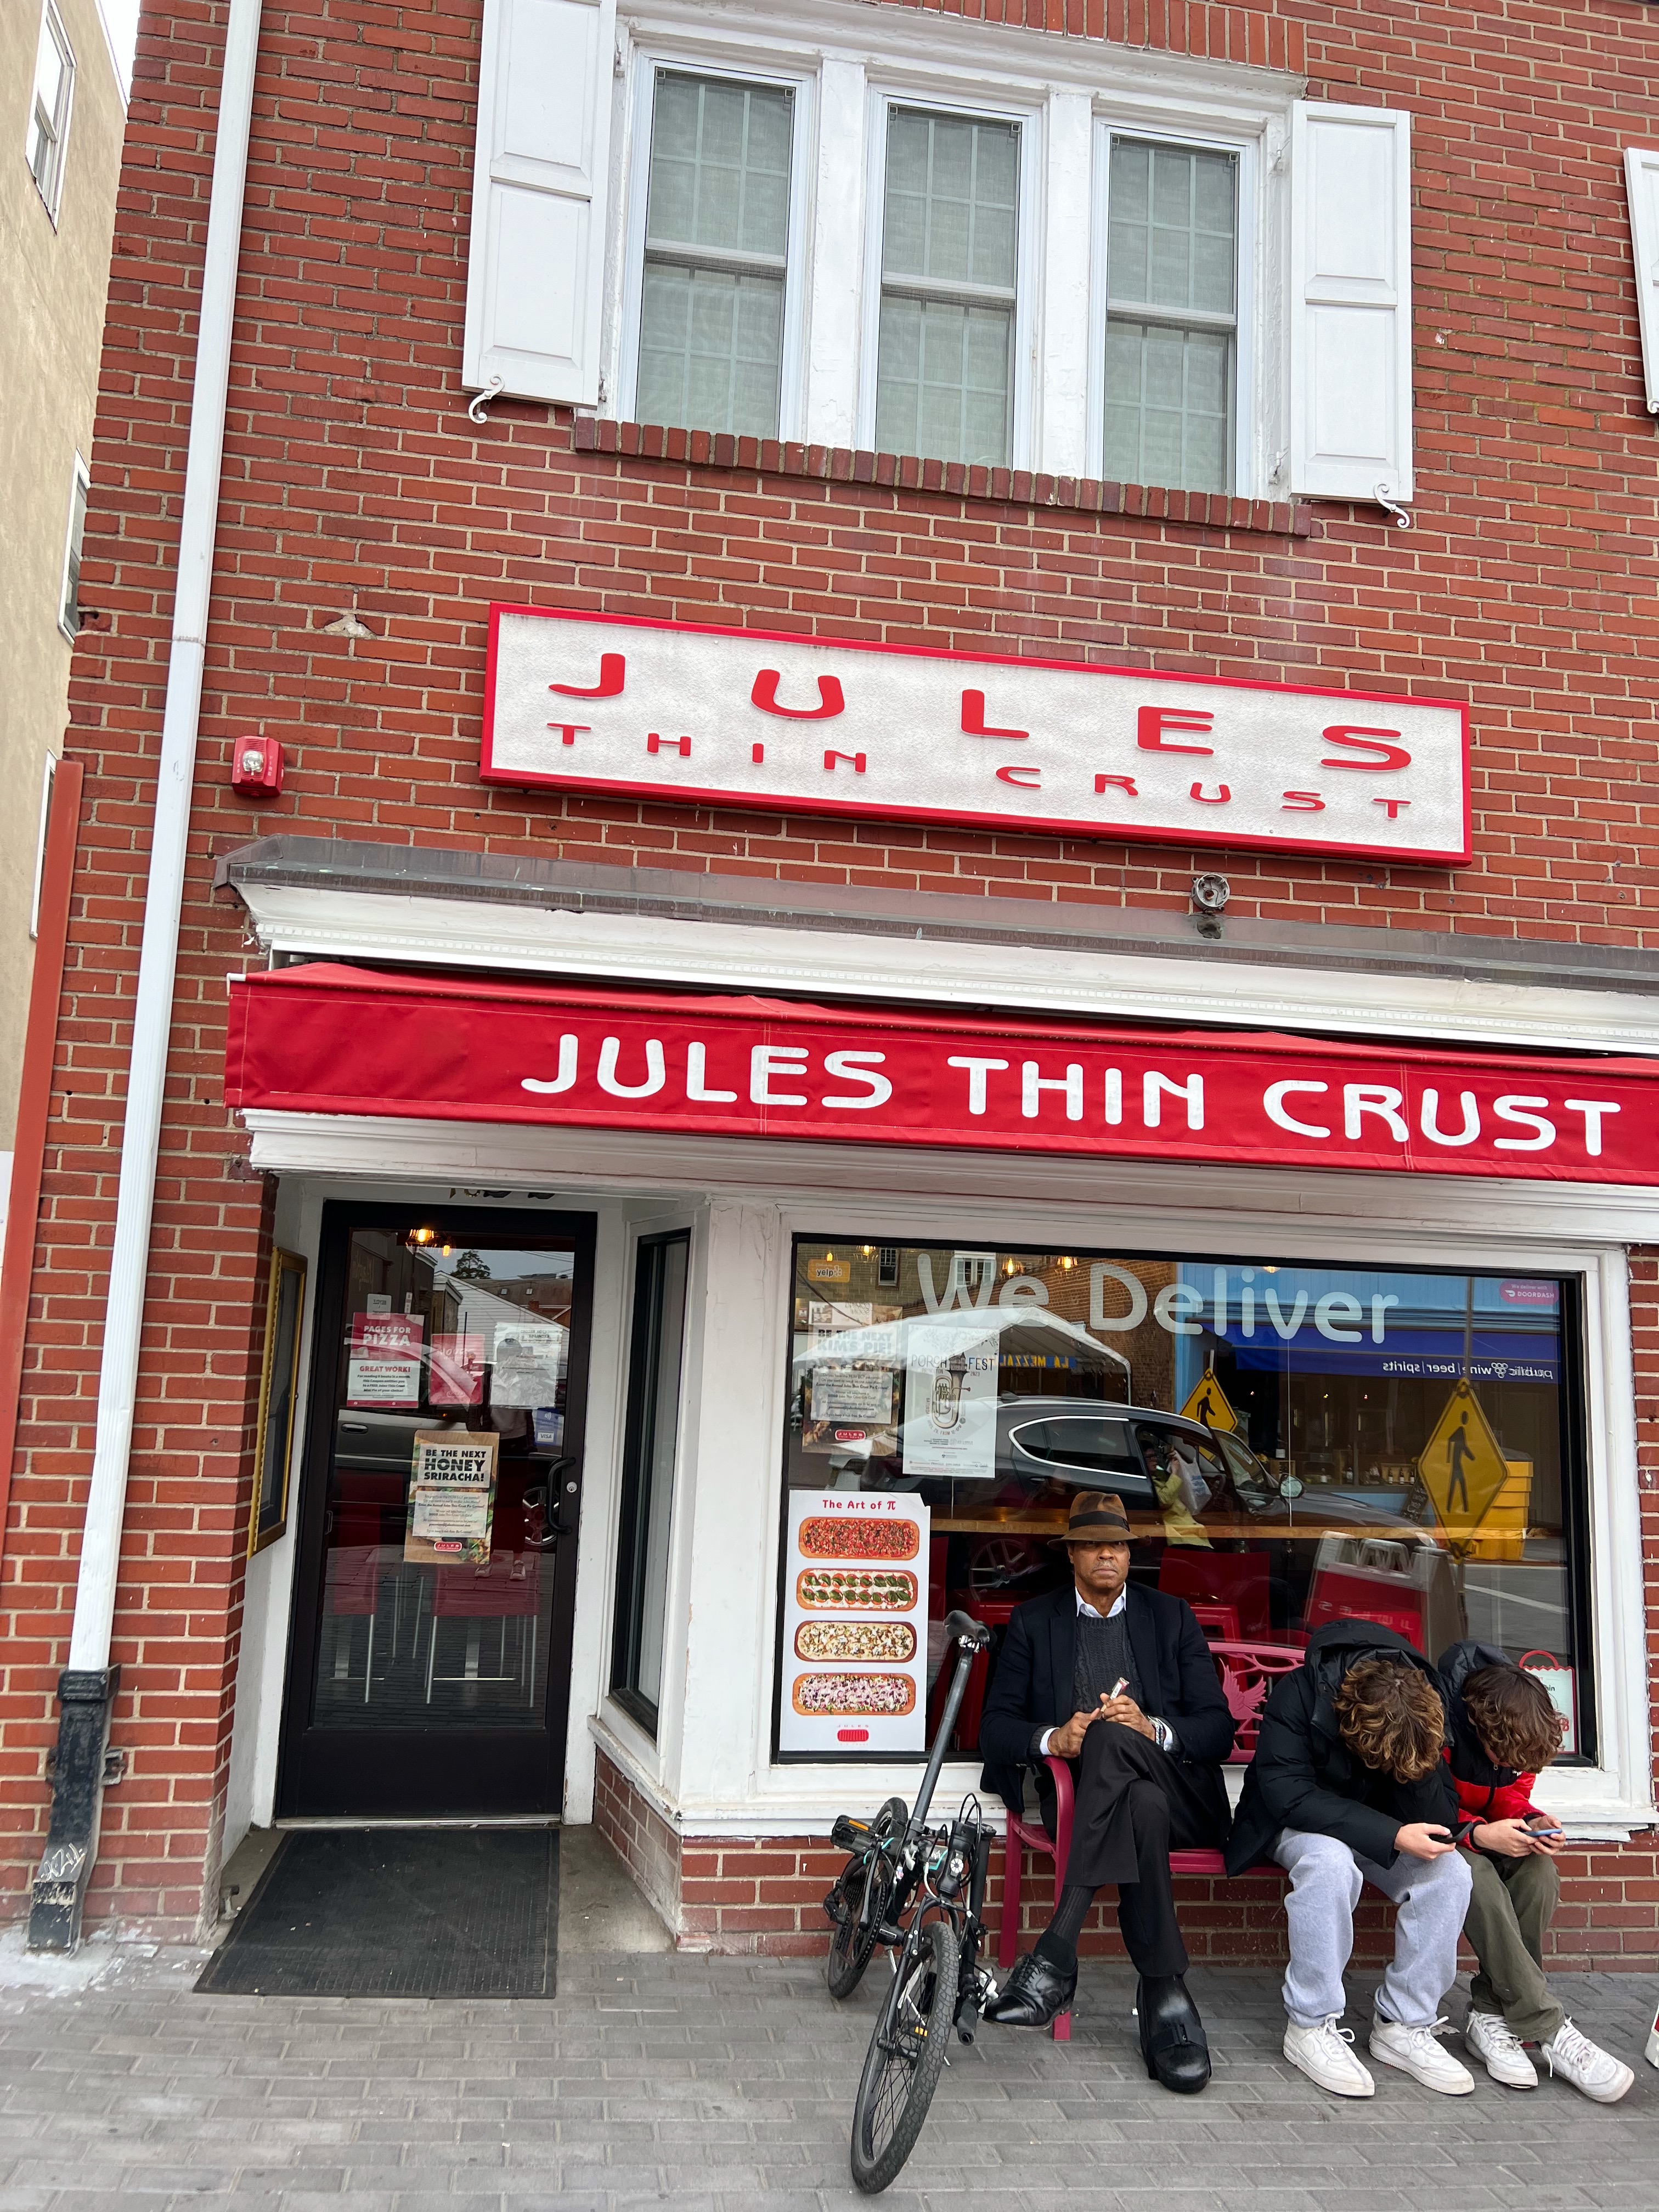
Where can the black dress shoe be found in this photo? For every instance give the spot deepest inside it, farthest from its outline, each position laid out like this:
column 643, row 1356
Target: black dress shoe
column 1033, row 1993
column 1172, row 2035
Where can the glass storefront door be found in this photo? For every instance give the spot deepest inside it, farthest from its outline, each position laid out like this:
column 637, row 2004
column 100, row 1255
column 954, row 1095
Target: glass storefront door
column 429, row 1670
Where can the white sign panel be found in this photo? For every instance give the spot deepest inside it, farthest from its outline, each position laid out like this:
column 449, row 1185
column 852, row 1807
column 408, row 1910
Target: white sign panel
column 608, row 703
column 950, row 1400
column 854, row 1624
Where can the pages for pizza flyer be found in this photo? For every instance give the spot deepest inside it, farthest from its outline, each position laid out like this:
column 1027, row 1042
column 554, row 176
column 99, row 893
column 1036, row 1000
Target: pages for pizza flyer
column 854, row 1656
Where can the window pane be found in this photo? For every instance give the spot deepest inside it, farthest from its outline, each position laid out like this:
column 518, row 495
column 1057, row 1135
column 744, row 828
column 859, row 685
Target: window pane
column 711, row 349
column 1169, row 405
column 953, row 199
column 1398, row 1445
column 651, row 1441
column 1172, row 232
column 720, row 165
column 70, row 614
column 48, row 108
column 944, row 381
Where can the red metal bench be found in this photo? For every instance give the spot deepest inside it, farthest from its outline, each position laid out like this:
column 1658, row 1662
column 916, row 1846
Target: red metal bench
column 1247, row 1672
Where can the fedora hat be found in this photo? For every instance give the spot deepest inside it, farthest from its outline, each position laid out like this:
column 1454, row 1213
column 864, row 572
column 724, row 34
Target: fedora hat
column 1097, row 1516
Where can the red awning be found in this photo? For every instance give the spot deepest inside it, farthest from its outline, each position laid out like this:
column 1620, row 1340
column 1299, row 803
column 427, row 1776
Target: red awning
column 326, row 1039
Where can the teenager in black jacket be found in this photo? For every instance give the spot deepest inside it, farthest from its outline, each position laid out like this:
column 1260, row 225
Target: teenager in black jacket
column 1349, row 1785
column 1118, row 1681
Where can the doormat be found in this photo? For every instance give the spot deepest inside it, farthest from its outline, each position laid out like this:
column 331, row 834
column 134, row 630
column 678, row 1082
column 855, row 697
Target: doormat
column 398, row 1912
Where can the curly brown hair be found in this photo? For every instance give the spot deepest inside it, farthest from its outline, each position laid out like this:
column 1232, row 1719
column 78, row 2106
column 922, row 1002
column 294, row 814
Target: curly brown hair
column 1391, row 1717
column 1510, row 1712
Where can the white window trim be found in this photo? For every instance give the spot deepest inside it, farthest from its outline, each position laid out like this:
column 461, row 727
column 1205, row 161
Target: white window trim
column 54, row 200
column 647, row 61
column 80, row 488
column 48, row 774
column 1028, row 115
column 1251, row 326
column 846, row 56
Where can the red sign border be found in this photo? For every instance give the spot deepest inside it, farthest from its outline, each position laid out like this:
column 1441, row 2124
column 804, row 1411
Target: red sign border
column 1028, row 826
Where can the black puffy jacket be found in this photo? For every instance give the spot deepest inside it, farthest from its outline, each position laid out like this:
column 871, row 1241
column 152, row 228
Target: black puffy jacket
column 1304, row 1777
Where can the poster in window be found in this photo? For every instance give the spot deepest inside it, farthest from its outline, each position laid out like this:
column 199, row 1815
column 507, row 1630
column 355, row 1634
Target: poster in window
column 384, row 1364
column 528, row 1361
column 850, row 1408
column 855, row 1675
column 950, row 1400
column 456, row 1374
column 279, row 1382
column 451, row 1497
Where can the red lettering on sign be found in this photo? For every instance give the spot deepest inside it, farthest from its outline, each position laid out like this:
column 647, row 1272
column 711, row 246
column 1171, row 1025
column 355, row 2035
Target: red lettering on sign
column 612, row 668
column 1223, row 794
column 758, row 754
column 653, row 743
column 1028, row 779
column 1395, row 806
column 1302, row 802
column 567, row 730
column 1151, row 723
column 854, row 761
column 974, row 724
column 1386, row 757
column 1119, row 782
column 830, row 701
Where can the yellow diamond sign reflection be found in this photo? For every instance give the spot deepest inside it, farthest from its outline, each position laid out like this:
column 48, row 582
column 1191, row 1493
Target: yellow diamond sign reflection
column 1462, row 1464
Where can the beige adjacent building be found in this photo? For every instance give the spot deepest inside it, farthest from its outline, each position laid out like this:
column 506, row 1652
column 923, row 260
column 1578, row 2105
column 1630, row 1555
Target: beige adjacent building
column 62, row 113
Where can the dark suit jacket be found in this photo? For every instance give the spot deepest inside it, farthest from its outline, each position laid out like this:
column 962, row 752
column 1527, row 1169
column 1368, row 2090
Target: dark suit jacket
column 1031, row 1687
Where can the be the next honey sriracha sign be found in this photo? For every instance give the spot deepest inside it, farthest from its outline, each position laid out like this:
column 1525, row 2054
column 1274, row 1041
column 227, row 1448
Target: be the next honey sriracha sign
column 334, row 1040
column 742, row 718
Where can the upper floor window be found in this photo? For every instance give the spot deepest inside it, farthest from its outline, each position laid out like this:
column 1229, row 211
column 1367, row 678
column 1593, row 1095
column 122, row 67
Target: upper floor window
column 945, row 345
column 1171, row 353
column 999, row 248
column 69, row 608
column 714, row 256
column 49, row 110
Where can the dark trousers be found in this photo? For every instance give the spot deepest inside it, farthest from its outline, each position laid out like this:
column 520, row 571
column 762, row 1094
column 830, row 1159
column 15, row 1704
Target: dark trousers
column 1136, row 1804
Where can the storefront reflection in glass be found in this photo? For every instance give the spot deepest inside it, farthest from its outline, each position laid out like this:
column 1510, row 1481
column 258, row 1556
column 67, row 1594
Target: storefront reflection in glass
column 449, row 1416
column 1294, row 1444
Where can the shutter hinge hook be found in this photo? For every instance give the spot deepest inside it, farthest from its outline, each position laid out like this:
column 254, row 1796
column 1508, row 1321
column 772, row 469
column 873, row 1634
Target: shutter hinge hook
column 1401, row 519
column 480, row 400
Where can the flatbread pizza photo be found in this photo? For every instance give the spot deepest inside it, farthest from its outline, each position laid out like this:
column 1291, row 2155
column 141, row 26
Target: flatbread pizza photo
column 856, row 1589
column 893, row 1641
column 837, row 1697
column 827, row 1536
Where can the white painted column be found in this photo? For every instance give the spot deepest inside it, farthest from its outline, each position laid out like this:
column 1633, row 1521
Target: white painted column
column 1061, row 370
column 836, row 308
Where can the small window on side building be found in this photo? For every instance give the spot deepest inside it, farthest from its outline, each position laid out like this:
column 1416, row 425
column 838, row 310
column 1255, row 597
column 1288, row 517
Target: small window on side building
column 69, row 611
column 48, row 108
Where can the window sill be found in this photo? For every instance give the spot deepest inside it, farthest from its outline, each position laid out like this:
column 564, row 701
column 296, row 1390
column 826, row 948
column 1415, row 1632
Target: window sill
column 653, row 442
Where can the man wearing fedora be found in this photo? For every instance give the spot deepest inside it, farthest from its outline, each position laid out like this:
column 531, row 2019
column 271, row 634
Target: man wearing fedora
column 1118, row 1681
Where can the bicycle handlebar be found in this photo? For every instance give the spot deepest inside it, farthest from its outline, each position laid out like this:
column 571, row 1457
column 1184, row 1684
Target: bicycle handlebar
column 970, row 1638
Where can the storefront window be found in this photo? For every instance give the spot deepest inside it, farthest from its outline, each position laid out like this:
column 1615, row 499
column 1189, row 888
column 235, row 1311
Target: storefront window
column 650, row 1438
column 1294, row 1444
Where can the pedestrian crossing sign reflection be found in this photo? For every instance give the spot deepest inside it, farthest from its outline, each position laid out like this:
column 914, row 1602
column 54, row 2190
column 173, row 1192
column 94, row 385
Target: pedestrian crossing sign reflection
column 1209, row 1403
column 1462, row 1464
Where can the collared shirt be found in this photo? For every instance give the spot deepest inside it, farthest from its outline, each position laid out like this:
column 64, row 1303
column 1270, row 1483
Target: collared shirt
column 1165, row 1735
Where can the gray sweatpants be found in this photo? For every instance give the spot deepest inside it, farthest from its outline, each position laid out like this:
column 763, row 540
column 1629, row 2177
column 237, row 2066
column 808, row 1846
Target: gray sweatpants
column 1432, row 1896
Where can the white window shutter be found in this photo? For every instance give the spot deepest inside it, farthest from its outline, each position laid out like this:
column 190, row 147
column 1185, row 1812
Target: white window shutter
column 536, row 262
column 1642, row 183
column 1351, row 302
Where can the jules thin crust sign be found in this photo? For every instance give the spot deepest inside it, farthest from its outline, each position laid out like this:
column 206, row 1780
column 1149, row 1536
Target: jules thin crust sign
column 827, row 1537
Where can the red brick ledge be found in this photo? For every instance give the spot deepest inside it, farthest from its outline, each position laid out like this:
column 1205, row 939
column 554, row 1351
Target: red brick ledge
column 655, row 441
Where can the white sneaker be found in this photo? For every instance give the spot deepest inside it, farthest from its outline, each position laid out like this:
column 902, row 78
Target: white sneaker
column 1325, row 2054
column 1597, row 2072
column 1488, row 2036
column 1414, row 2051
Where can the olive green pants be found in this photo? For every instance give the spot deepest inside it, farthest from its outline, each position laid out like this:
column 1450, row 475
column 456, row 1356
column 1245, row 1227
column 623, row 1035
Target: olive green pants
column 1510, row 1907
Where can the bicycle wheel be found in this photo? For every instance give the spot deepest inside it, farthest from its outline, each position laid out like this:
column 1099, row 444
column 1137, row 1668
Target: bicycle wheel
column 906, row 2057
column 858, row 1905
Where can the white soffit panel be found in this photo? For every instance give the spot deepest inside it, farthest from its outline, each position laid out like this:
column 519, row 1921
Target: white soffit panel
column 812, row 964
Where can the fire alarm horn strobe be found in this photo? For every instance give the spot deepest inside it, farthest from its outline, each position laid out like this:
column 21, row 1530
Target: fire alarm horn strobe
column 256, row 767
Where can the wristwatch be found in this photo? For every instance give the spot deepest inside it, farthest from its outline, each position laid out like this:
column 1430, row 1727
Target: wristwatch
column 1163, row 1734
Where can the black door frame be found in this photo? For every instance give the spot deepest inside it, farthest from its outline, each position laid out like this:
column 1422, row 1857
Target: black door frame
column 484, row 1772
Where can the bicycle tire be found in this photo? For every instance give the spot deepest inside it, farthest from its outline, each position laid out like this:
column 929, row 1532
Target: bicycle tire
column 906, row 2057
column 865, row 1887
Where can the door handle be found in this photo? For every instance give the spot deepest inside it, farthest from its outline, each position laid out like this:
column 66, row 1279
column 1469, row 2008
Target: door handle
column 562, row 1482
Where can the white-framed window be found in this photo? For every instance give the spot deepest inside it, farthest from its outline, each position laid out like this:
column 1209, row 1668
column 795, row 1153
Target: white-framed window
column 995, row 246
column 69, row 603
column 1172, row 370
column 48, row 774
column 714, row 251
column 48, row 107
column 949, row 259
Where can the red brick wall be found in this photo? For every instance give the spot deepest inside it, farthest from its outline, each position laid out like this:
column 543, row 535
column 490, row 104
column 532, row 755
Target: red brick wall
column 353, row 475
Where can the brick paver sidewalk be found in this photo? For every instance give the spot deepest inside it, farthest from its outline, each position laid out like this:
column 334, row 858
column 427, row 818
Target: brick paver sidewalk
column 720, row 2082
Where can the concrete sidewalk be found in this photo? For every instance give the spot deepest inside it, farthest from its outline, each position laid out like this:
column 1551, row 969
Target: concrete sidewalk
column 721, row 2082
